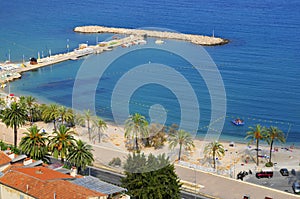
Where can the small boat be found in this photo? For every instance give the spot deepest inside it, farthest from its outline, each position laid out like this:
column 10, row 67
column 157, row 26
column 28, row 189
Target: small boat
column 159, row 41
column 238, row 122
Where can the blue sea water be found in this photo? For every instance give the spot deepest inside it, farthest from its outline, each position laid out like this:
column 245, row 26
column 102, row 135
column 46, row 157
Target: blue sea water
column 259, row 67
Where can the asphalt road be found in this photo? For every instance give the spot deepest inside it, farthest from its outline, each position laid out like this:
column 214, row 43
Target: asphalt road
column 279, row 182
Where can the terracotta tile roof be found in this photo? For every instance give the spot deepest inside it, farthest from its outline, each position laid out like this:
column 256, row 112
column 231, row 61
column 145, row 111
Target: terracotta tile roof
column 43, row 173
column 4, row 159
column 45, row 189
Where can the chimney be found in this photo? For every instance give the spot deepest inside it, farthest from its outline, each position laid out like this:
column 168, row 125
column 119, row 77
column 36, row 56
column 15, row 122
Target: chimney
column 54, row 195
column 27, row 161
column 27, row 188
column 73, row 172
column 11, row 155
column 39, row 171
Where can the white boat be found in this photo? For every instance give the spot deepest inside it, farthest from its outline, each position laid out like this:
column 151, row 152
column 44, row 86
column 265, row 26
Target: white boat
column 142, row 41
column 159, row 41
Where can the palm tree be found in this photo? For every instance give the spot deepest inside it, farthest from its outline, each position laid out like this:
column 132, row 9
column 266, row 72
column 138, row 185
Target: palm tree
column 214, row 149
column 65, row 114
column 62, row 142
column 14, row 117
column 256, row 133
column 101, row 125
column 80, row 155
column 30, row 101
column 136, row 126
column 274, row 134
column 2, row 104
column 182, row 138
column 22, row 102
column 50, row 113
column 34, row 143
column 87, row 117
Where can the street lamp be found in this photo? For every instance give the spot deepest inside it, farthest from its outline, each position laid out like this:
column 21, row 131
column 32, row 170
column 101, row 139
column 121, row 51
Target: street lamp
column 195, row 173
column 195, row 182
column 68, row 45
column 234, row 162
column 9, row 55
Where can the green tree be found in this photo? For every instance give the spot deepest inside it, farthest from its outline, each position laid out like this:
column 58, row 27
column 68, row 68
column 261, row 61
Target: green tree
column 157, row 135
column 274, row 134
column 182, row 138
column 136, row 126
column 65, row 114
column 214, row 149
column 87, row 118
column 80, row 155
column 14, row 117
column 34, row 143
column 256, row 133
column 61, row 142
column 36, row 113
column 2, row 104
column 173, row 129
column 30, row 102
column 101, row 126
column 152, row 177
column 50, row 113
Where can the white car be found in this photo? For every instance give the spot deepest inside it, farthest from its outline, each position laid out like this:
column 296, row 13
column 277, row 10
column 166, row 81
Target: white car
column 296, row 187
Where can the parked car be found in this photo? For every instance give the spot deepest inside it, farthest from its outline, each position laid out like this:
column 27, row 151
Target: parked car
column 296, row 187
column 264, row 174
column 284, row 172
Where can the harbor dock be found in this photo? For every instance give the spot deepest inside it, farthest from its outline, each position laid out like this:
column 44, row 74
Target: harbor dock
column 12, row 71
column 195, row 39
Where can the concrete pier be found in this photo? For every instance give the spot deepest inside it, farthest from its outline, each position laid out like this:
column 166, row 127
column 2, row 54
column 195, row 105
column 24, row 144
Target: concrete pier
column 16, row 72
column 195, row 39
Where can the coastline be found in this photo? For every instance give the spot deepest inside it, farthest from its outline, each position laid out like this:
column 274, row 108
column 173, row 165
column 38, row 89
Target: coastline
column 195, row 39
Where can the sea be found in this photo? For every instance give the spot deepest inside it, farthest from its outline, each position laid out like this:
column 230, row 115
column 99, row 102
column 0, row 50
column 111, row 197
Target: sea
column 259, row 68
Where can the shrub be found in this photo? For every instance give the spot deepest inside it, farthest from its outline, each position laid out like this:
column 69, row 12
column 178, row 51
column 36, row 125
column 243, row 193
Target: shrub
column 4, row 146
column 269, row 164
column 115, row 162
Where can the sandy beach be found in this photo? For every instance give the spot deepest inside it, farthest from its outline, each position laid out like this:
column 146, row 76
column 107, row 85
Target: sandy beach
column 193, row 166
column 238, row 157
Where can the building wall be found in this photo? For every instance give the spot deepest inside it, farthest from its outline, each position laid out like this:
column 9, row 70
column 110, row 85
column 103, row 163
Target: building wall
column 9, row 193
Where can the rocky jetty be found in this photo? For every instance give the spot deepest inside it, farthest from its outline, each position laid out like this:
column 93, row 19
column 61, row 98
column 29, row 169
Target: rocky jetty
column 196, row 39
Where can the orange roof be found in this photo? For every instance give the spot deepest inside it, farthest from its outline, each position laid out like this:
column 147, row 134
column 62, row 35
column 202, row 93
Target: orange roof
column 46, row 189
column 43, row 173
column 4, row 159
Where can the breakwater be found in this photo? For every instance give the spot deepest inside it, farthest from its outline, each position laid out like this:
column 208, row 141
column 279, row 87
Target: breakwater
column 195, row 39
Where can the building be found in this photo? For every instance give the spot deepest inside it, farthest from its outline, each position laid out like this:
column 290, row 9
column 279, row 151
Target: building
column 43, row 183
column 22, row 178
column 4, row 161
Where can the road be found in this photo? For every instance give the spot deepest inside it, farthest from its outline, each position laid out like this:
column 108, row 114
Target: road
column 115, row 178
column 279, row 182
